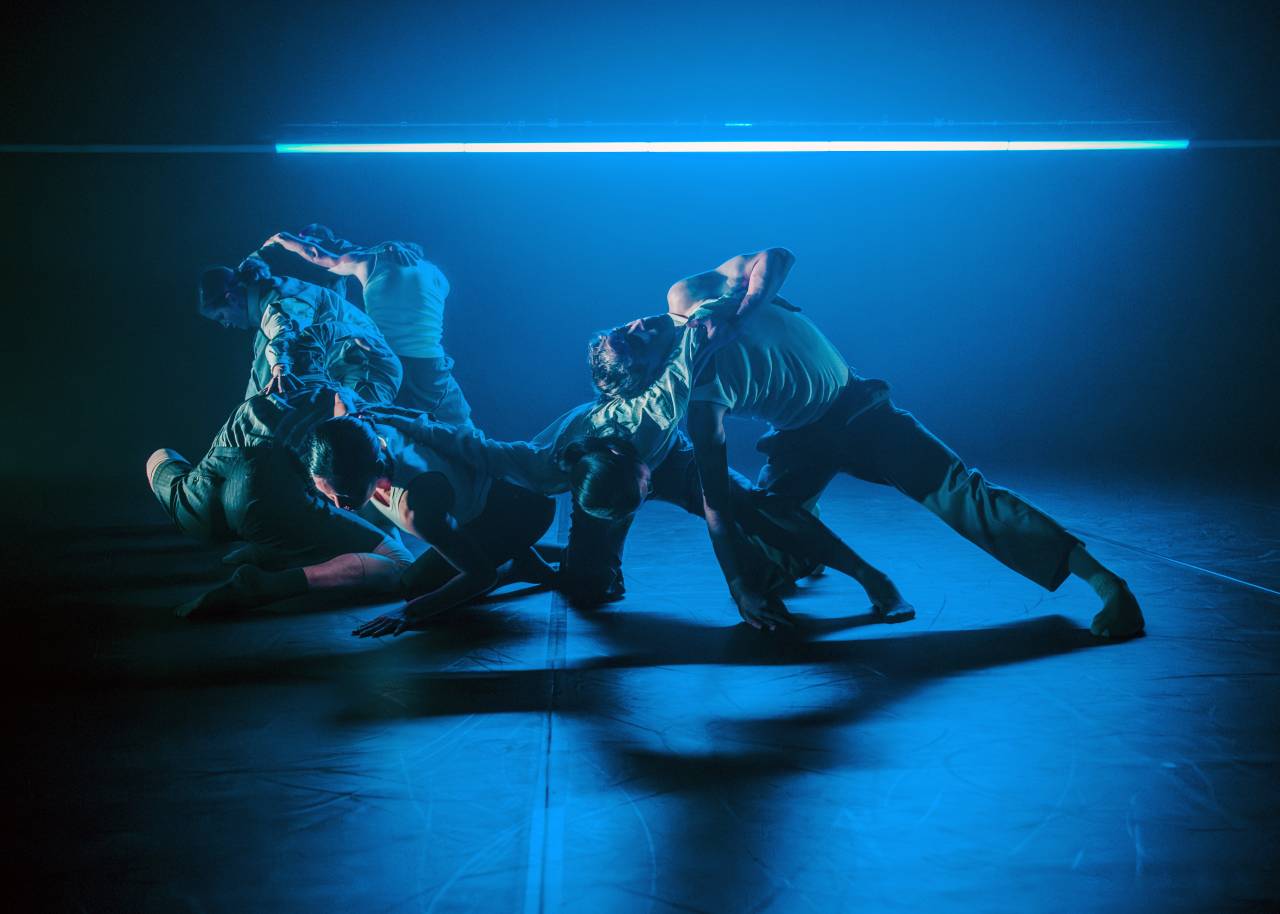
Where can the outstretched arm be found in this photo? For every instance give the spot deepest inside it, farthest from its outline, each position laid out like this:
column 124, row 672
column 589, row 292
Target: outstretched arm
column 706, row 429
column 351, row 264
column 526, row 463
column 757, row 278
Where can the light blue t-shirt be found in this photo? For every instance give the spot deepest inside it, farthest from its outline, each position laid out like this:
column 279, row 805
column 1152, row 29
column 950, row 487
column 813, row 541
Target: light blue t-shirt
column 782, row 369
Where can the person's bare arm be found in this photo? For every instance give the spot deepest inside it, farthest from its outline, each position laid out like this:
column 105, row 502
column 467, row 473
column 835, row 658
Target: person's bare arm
column 706, row 429
column 351, row 264
column 757, row 278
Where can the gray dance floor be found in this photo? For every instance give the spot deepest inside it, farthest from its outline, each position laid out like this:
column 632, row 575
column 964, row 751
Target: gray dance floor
column 655, row 756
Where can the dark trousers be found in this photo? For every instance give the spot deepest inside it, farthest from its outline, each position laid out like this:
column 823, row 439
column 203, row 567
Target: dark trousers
column 591, row 569
column 886, row 445
column 259, row 495
column 513, row 519
column 429, row 386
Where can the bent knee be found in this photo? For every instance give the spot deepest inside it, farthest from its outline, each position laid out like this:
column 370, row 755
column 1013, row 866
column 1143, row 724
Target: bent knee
column 157, row 459
column 394, row 551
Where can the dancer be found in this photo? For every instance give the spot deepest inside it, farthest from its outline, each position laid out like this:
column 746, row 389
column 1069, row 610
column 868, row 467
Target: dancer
column 404, row 293
column 481, row 531
column 251, row 298
column 251, row 486
column 826, row 420
column 626, row 447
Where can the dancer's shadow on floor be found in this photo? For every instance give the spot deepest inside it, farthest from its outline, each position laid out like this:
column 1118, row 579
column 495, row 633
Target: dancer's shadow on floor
column 182, row 656
column 885, row 667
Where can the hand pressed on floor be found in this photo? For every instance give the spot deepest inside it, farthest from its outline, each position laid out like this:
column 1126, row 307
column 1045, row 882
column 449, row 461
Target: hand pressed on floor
column 1120, row 616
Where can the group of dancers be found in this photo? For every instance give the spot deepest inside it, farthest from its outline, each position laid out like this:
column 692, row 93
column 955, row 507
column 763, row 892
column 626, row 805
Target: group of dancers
column 354, row 433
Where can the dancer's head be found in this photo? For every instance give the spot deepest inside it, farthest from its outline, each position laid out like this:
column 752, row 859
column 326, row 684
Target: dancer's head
column 346, row 461
column 607, row 477
column 626, row 359
column 222, row 298
column 223, row 293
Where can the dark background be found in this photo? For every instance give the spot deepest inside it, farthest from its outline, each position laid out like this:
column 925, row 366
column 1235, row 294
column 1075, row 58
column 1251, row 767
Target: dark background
column 1091, row 311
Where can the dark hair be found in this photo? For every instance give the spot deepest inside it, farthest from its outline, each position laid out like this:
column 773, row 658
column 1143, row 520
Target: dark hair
column 214, row 282
column 611, row 365
column 345, row 452
column 252, row 269
column 602, row 476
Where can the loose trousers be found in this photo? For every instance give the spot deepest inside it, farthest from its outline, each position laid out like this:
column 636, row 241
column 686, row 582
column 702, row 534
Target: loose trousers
column 429, row 386
column 886, row 445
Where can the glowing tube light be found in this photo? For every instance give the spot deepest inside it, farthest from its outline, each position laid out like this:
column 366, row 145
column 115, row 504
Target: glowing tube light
column 743, row 146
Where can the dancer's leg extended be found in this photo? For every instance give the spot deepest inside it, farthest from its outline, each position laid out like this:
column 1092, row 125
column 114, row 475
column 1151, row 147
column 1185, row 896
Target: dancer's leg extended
column 887, row 445
column 369, row 573
column 267, row 503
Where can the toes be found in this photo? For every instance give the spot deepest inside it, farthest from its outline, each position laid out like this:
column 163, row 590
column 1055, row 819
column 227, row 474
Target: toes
column 899, row 612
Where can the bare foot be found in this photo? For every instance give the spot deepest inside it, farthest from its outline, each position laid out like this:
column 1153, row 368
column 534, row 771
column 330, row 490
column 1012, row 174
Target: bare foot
column 532, row 568
column 886, row 602
column 1120, row 616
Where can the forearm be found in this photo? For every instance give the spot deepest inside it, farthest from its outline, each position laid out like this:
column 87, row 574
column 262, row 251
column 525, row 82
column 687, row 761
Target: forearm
column 706, row 427
column 754, row 278
column 516, row 461
column 768, row 270
column 291, row 242
column 342, row 265
column 463, row 586
column 726, row 543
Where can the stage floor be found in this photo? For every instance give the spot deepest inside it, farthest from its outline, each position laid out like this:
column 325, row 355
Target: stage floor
column 990, row 756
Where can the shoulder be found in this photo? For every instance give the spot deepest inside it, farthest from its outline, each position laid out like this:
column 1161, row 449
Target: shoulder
column 399, row 253
column 430, row 496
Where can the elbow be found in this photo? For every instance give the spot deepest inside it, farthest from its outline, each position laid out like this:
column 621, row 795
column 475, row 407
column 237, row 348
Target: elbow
column 706, row 428
column 716, row 522
column 781, row 256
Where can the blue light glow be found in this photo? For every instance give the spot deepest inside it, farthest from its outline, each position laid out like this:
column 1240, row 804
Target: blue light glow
column 742, row 146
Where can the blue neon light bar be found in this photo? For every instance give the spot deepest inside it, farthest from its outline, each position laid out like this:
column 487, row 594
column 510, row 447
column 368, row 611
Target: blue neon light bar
column 742, row 146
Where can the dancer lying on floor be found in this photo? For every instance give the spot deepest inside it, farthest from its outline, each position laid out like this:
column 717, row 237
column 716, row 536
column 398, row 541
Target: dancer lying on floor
column 827, row 420
column 626, row 447
column 279, row 309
